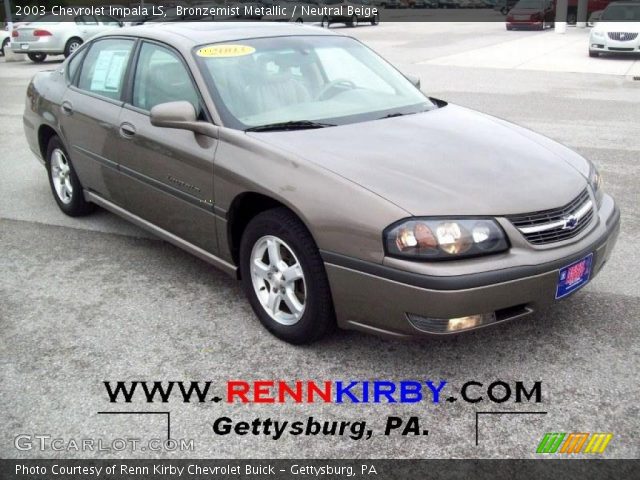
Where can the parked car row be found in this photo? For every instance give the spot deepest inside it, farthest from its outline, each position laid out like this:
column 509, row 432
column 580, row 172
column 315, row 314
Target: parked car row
column 616, row 28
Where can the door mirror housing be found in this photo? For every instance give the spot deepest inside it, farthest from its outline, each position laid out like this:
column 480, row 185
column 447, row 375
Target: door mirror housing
column 181, row 115
column 413, row 79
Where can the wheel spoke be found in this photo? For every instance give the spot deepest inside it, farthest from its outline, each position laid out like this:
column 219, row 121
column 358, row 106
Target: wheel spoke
column 292, row 274
column 292, row 302
column 260, row 269
column 273, row 301
column 273, row 249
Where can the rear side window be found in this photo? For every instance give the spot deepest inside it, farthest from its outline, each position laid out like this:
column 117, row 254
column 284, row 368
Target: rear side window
column 104, row 67
column 161, row 77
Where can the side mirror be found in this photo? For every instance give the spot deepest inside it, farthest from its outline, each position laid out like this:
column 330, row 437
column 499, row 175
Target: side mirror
column 413, row 79
column 181, row 115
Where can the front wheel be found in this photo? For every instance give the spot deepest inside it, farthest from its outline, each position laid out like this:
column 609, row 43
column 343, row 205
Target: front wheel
column 284, row 278
column 64, row 182
column 37, row 57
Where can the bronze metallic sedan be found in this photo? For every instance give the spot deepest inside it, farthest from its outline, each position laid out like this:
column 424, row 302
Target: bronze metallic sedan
column 306, row 165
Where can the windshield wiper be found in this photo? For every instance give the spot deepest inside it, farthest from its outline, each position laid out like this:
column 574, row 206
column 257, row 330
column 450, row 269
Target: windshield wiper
column 291, row 125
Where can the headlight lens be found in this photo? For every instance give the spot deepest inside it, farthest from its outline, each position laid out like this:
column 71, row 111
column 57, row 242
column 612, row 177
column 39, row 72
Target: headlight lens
column 595, row 181
column 442, row 239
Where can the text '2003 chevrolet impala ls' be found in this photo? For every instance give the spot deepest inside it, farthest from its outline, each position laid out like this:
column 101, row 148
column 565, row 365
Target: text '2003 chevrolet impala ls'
column 306, row 165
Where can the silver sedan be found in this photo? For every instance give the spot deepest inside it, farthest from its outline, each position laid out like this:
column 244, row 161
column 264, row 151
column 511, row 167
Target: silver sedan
column 55, row 35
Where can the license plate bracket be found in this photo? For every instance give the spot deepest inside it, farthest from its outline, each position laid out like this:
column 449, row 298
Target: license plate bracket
column 574, row 276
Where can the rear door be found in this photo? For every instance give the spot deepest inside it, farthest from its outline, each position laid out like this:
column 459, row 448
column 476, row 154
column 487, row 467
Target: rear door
column 90, row 112
column 167, row 173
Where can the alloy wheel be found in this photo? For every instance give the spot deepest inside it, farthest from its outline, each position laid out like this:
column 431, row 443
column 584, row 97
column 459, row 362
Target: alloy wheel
column 61, row 176
column 278, row 280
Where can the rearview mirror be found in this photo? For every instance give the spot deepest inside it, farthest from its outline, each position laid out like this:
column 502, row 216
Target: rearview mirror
column 181, row 115
column 413, row 79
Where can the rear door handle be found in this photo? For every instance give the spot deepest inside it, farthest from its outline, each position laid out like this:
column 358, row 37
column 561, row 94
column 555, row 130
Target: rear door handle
column 127, row 130
column 67, row 108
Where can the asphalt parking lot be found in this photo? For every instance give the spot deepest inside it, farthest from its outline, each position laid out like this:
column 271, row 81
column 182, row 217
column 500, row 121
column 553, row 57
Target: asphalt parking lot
column 93, row 299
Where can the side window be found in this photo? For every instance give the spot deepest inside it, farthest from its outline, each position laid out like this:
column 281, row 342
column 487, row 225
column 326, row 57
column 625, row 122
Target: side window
column 104, row 67
column 107, row 20
column 162, row 77
column 86, row 20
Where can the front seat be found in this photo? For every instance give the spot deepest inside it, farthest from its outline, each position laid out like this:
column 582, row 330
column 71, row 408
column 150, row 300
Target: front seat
column 278, row 91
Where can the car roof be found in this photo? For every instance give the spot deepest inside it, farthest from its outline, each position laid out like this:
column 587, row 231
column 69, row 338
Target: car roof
column 189, row 34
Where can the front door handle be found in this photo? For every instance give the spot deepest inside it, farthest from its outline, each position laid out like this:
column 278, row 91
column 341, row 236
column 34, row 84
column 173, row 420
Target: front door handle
column 127, row 130
column 67, row 108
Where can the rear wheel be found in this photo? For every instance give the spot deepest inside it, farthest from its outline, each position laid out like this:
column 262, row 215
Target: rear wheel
column 65, row 186
column 72, row 45
column 37, row 57
column 284, row 277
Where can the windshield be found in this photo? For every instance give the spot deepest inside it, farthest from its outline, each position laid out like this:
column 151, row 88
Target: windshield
column 329, row 79
column 624, row 13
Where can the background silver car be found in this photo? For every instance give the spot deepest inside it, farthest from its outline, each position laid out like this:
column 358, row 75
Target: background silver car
column 56, row 35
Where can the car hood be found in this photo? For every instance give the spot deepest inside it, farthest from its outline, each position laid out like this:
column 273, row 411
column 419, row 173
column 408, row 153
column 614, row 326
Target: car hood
column 448, row 161
column 632, row 27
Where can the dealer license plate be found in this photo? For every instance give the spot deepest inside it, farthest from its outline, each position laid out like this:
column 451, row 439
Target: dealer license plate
column 574, row 276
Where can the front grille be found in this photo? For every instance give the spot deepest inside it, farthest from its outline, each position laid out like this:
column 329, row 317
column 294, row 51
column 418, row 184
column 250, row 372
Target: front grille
column 622, row 36
column 558, row 224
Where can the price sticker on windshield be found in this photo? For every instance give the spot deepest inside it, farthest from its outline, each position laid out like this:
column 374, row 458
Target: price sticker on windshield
column 225, row 51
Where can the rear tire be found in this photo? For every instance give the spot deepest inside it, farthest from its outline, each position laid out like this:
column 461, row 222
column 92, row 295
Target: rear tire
column 72, row 45
column 272, row 243
column 37, row 57
column 64, row 183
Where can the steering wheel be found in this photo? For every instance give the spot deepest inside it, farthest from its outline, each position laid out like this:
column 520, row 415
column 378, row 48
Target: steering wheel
column 337, row 83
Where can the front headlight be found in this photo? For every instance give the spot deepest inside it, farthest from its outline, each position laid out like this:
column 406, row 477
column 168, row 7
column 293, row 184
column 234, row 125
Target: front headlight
column 595, row 181
column 444, row 239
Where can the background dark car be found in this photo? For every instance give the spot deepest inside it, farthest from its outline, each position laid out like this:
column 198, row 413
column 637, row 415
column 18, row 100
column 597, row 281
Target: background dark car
column 532, row 14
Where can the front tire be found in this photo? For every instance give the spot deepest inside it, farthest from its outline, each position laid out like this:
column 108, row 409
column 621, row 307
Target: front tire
column 284, row 278
column 64, row 182
column 37, row 57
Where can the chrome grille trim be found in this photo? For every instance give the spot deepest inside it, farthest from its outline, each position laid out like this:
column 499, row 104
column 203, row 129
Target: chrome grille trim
column 550, row 226
column 623, row 36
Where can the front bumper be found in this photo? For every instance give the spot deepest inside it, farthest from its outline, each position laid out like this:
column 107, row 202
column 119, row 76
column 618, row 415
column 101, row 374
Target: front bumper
column 388, row 301
column 605, row 44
